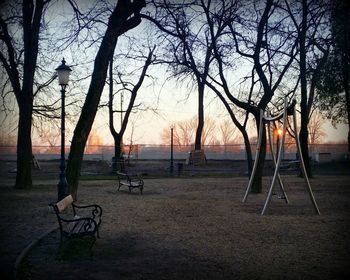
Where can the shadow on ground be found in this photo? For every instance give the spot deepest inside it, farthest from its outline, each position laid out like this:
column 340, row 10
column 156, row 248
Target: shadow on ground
column 127, row 257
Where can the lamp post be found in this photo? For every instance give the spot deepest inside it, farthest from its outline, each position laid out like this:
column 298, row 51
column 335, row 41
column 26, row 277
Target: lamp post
column 63, row 72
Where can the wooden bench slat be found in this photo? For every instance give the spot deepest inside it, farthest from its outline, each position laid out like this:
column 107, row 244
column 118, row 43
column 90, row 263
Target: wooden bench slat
column 74, row 227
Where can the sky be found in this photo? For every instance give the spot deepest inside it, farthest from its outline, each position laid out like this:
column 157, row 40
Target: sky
column 170, row 103
column 149, row 125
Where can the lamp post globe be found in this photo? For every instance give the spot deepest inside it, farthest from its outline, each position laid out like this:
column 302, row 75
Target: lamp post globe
column 63, row 72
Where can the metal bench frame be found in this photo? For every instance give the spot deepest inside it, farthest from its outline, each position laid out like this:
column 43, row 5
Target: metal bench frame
column 76, row 226
column 130, row 181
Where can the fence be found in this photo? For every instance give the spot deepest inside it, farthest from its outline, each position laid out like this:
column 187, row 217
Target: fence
column 145, row 151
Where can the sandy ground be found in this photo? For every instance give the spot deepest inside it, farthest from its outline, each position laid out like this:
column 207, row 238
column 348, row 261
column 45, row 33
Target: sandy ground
column 188, row 228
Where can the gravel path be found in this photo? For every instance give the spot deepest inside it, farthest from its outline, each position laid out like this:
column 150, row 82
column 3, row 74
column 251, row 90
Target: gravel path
column 188, row 228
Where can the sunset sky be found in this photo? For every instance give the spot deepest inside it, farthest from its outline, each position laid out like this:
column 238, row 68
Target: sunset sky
column 166, row 102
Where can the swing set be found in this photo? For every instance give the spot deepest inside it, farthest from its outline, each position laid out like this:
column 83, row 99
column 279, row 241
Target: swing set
column 278, row 154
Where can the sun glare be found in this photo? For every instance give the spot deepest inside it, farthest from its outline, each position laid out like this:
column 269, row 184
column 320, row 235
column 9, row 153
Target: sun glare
column 279, row 132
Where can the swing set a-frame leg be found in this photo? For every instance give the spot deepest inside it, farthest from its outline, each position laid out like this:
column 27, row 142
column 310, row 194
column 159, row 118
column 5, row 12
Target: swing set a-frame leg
column 278, row 162
column 284, row 194
column 276, row 174
column 302, row 166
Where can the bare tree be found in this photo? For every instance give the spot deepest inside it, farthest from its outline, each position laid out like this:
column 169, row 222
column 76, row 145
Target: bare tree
column 118, row 136
column 184, row 132
column 209, row 131
column 253, row 34
column 20, row 26
column 253, row 29
column 124, row 17
column 316, row 133
column 333, row 87
column 189, row 56
column 228, row 132
column 313, row 32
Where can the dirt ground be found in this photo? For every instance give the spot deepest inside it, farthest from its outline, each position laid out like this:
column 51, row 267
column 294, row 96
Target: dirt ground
column 187, row 228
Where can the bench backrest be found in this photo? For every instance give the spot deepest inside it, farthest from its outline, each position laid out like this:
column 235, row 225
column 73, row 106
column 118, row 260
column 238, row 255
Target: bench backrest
column 122, row 176
column 64, row 203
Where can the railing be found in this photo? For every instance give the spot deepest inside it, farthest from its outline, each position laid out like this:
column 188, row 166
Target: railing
column 148, row 151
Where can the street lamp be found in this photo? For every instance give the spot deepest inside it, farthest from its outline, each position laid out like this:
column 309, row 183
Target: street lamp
column 63, row 72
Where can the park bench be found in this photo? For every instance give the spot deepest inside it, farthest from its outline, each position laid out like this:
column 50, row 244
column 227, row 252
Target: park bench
column 73, row 226
column 130, row 181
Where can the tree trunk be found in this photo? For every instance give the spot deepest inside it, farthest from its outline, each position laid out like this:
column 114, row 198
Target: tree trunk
column 346, row 81
column 248, row 150
column 304, row 135
column 257, row 183
column 247, row 147
column 120, row 21
column 303, row 138
column 24, row 146
column 304, row 112
column 88, row 113
column 30, row 21
column 116, row 164
column 198, row 140
column 347, row 96
column 118, row 153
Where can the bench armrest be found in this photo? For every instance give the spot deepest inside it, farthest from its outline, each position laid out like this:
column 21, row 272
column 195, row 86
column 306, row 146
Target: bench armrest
column 95, row 212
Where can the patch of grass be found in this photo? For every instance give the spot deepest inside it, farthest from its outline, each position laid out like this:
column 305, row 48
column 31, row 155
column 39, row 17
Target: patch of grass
column 76, row 249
